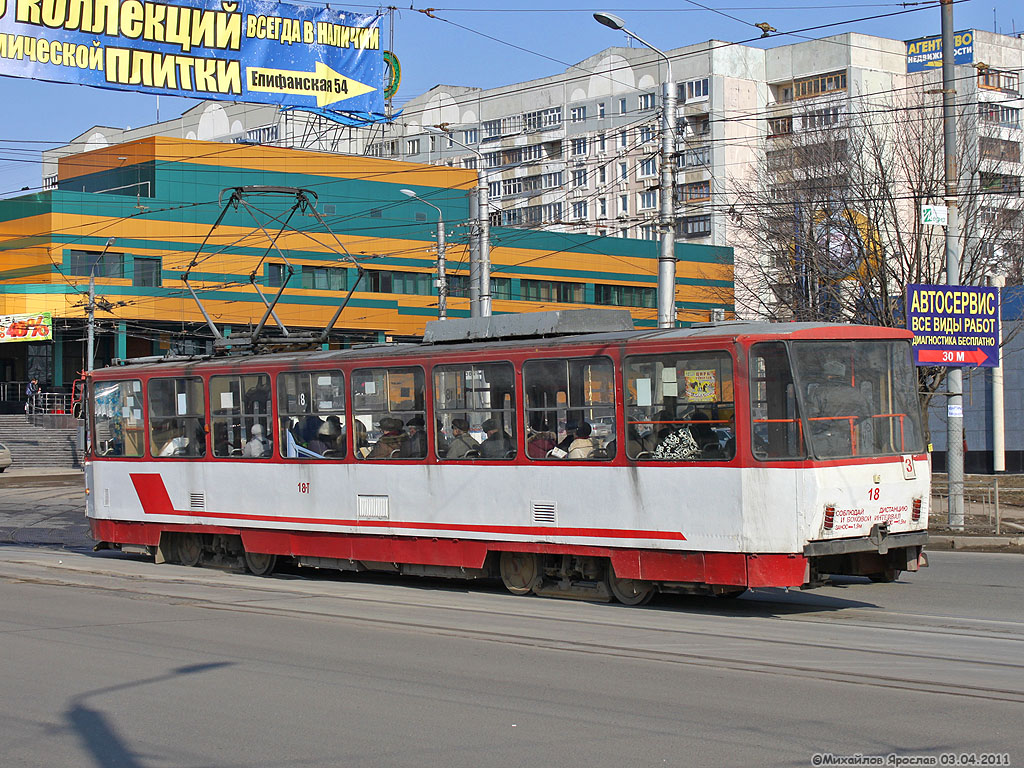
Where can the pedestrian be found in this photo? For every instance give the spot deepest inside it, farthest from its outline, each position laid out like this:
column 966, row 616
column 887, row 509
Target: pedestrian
column 32, row 396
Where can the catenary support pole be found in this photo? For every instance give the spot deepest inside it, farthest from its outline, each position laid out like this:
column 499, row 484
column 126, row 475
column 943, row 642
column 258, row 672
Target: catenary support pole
column 998, row 414
column 954, row 379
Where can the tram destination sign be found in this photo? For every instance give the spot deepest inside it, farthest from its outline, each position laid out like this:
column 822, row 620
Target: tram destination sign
column 233, row 50
column 954, row 325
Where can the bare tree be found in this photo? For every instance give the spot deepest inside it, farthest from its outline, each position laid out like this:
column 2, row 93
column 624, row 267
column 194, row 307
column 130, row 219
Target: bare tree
column 832, row 217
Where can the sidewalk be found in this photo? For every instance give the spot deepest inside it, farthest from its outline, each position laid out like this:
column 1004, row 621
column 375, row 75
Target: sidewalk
column 20, row 477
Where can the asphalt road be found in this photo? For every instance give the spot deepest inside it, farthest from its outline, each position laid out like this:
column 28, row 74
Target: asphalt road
column 110, row 660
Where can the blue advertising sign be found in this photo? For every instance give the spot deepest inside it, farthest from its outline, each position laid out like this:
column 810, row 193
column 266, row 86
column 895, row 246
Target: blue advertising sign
column 954, row 325
column 246, row 50
column 926, row 52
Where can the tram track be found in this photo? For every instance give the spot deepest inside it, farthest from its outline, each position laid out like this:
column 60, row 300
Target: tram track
column 542, row 629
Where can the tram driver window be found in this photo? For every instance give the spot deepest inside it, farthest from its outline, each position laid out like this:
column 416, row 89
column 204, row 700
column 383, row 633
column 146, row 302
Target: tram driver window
column 311, row 407
column 475, row 406
column 388, row 413
column 117, row 418
column 570, row 409
column 680, row 407
column 776, row 430
column 177, row 418
column 240, row 415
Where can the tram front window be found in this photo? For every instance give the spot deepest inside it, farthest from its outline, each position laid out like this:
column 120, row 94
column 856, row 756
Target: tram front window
column 859, row 398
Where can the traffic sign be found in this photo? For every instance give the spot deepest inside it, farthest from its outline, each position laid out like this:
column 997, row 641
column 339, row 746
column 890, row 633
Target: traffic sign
column 954, row 325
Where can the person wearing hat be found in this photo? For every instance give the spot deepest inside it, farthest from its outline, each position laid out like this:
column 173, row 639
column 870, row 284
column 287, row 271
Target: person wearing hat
column 258, row 446
column 415, row 446
column 539, row 439
column 391, row 442
column 836, row 408
column 497, row 444
column 462, row 442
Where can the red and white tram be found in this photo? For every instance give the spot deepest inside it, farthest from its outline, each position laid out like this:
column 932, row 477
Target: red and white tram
column 603, row 464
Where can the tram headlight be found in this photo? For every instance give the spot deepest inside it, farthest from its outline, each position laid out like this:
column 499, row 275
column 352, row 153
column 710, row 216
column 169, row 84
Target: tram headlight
column 830, row 516
column 915, row 513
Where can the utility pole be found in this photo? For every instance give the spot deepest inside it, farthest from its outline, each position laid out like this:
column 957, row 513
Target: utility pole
column 954, row 379
column 442, row 277
column 90, row 347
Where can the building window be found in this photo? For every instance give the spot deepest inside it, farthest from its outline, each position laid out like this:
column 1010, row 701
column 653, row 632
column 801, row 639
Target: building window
column 602, row 207
column 579, row 210
column 578, row 114
column 999, row 149
column 646, row 101
column 107, row 264
column 433, row 143
column 414, row 283
column 146, row 272
column 623, row 172
column 625, row 295
column 324, row 278
column 648, row 134
column 501, row 287
column 413, row 147
column 648, row 200
column 600, row 109
column 551, row 180
column 695, row 226
column 623, row 139
column 470, row 136
column 601, row 142
column 696, row 192
column 579, row 145
column 821, row 118
column 694, row 158
column 491, row 129
column 999, row 80
column 602, row 174
column 780, row 126
column 649, row 232
column 623, row 203
column 648, row 167
column 623, row 109
column 511, row 187
column 999, row 183
column 469, row 163
column 579, row 177
column 809, row 87
column 699, row 125
column 992, row 113
column 694, row 90
column 552, row 290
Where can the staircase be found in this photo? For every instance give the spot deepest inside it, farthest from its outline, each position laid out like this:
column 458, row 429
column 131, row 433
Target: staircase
column 41, row 442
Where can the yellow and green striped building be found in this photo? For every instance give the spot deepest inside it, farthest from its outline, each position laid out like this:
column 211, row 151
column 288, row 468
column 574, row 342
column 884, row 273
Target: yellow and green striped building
column 159, row 198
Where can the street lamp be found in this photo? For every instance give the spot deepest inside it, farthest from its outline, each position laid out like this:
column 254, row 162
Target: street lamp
column 666, row 219
column 480, row 266
column 442, row 279
column 92, row 305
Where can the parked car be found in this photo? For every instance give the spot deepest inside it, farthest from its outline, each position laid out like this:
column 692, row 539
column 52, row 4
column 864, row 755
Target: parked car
column 5, row 457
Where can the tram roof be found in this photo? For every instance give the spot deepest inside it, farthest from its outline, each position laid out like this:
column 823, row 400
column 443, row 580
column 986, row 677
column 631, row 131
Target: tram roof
column 727, row 331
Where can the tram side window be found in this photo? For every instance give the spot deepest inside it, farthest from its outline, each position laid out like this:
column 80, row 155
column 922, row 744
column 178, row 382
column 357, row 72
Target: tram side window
column 776, row 431
column 240, row 415
column 117, row 418
column 388, row 413
column 680, row 407
column 311, row 406
column 177, row 417
column 475, row 408
column 570, row 408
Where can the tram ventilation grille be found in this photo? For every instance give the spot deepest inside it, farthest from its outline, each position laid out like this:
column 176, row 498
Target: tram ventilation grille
column 197, row 500
column 544, row 512
column 373, row 508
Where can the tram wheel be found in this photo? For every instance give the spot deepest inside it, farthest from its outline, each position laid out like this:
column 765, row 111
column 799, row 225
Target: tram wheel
column 259, row 564
column 888, row 576
column 630, row 591
column 520, row 571
column 190, row 549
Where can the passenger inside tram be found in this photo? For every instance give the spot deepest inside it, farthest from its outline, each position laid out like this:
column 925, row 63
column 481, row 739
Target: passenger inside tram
column 498, row 443
column 582, row 447
column 462, row 443
column 391, row 441
column 415, row 446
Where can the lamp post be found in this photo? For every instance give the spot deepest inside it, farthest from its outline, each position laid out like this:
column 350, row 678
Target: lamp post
column 666, row 219
column 92, row 306
column 442, row 279
column 480, row 266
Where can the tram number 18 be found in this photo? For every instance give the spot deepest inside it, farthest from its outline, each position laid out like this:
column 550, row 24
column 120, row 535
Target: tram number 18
column 303, row 487
column 873, row 494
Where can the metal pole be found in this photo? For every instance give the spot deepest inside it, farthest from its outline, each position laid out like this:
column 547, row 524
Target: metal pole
column 442, row 277
column 483, row 211
column 998, row 413
column 92, row 314
column 474, row 253
column 667, row 256
column 954, row 379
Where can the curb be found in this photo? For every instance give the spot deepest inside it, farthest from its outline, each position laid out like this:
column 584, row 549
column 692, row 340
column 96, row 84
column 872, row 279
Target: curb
column 57, row 480
column 973, row 542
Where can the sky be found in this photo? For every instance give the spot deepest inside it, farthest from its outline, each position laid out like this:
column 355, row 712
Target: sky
column 487, row 43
